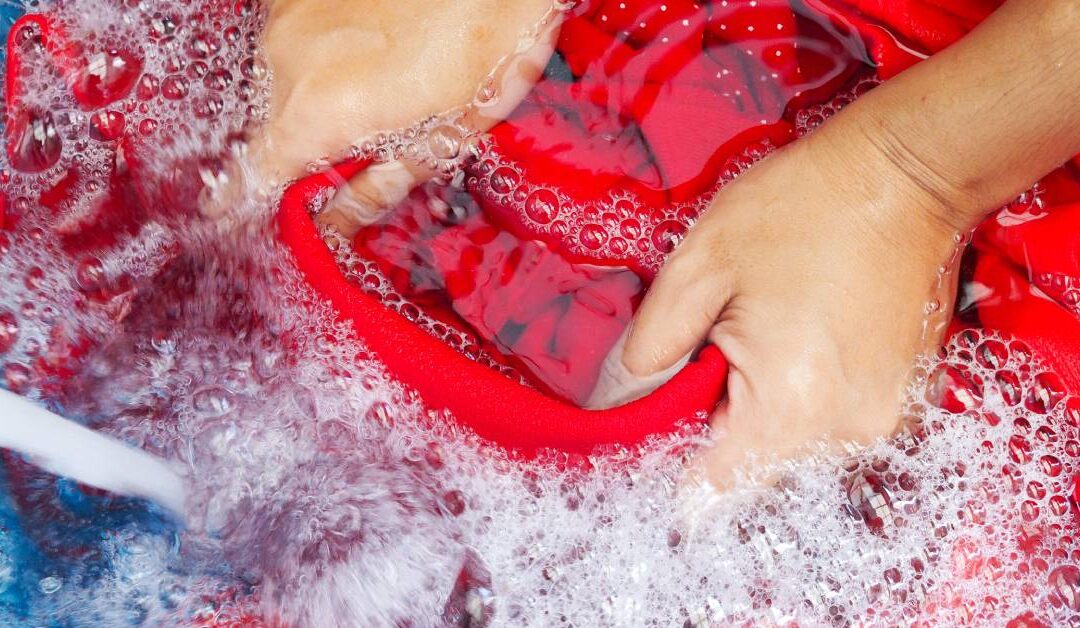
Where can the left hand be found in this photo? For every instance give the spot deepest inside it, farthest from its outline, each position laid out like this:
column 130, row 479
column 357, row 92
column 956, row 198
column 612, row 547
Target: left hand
column 344, row 71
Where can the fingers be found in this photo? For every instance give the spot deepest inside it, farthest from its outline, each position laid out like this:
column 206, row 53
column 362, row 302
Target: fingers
column 279, row 154
column 750, row 441
column 732, row 447
column 368, row 195
column 371, row 193
column 759, row 427
column 679, row 309
column 744, row 431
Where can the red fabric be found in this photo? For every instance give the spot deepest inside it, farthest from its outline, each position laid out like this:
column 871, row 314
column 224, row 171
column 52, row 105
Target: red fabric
column 658, row 110
column 495, row 407
column 528, row 304
column 673, row 131
column 1026, row 267
column 610, row 113
column 900, row 32
column 643, row 109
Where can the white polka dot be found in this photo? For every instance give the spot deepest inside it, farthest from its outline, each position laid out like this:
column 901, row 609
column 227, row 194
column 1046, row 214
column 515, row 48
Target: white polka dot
column 686, row 22
column 750, row 29
column 663, row 7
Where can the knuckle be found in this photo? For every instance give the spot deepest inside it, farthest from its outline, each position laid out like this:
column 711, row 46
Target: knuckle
column 685, row 266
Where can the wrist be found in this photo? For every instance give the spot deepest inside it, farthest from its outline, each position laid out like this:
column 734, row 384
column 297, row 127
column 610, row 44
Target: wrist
column 904, row 219
column 908, row 183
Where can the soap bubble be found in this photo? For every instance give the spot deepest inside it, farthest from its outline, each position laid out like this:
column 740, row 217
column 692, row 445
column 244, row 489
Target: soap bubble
column 324, row 492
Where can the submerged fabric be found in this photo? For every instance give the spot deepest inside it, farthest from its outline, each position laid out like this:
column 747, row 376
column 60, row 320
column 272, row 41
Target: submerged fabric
column 1027, row 261
column 656, row 101
column 497, row 408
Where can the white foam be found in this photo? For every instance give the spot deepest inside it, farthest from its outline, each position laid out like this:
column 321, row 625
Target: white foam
column 323, row 493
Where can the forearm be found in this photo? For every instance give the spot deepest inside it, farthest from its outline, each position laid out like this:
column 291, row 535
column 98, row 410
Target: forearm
column 978, row 123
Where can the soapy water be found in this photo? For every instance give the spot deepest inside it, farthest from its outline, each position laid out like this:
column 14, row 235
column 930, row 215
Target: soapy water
column 321, row 492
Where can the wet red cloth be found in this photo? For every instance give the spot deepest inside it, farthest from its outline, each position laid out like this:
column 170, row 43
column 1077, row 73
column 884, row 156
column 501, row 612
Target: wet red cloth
column 656, row 99
column 530, row 308
column 609, row 114
column 495, row 407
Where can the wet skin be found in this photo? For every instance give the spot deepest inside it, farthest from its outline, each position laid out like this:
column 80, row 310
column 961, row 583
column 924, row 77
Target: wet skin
column 812, row 272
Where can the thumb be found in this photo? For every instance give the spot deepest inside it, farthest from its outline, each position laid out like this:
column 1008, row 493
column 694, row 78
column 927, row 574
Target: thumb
column 369, row 194
column 679, row 310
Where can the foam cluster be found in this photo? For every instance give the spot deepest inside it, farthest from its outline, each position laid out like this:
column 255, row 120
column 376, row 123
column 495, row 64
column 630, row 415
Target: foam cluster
column 325, row 493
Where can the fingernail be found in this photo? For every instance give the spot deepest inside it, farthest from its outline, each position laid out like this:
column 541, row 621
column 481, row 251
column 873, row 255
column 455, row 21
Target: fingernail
column 618, row 385
column 630, row 355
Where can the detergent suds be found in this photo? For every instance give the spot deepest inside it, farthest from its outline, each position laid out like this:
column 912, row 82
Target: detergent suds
column 324, row 493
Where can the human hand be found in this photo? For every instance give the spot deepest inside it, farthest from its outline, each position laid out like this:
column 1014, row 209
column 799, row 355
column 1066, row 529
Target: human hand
column 344, row 72
column 812, row 273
